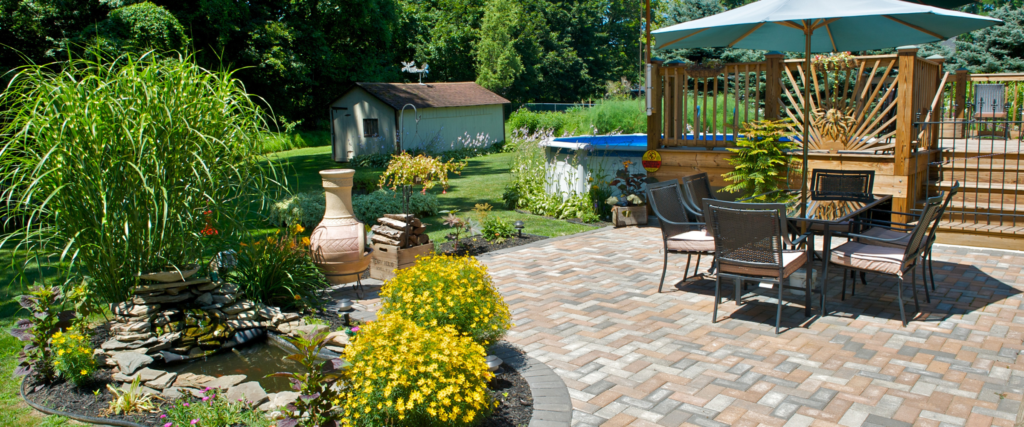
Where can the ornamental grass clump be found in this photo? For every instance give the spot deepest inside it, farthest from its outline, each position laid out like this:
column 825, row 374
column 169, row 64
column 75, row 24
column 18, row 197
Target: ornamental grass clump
column 445, row 290
column 115, row 166
column 403, row 374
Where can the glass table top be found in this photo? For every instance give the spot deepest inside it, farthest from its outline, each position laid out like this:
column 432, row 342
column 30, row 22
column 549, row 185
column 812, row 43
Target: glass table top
column 832, row 207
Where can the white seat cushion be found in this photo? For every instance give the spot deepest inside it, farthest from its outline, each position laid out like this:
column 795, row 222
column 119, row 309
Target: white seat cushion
column 791, row 261
column 880, row 259
column 692, row 241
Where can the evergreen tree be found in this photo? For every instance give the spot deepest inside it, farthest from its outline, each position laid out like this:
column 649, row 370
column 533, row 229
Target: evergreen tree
column 994, row 49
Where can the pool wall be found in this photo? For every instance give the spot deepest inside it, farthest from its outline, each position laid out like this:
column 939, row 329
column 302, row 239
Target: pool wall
column 576, row 163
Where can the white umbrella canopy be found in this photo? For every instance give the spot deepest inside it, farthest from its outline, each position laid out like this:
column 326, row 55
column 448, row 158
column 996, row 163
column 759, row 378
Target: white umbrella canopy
column 820, row 26
column 837, row 26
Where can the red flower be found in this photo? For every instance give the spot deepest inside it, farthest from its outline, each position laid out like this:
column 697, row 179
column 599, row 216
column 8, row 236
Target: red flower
column 208, row 230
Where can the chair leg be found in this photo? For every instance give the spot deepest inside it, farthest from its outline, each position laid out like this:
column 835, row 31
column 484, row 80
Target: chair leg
column 664, row 269
column 899, row 293
column 924, row 280
column 696, row 268
column 931, row 271
column 718, row 287
column 778, row 312
column 913, row 288
column 864, row 278
column 687, row 270
column 842, row 295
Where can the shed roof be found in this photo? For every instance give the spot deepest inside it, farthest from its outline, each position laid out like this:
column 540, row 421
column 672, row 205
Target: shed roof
column 433, row 95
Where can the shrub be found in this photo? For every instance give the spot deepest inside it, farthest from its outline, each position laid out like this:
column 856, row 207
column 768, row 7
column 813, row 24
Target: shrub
column 278, row 270
column 306, row 209
column 375, row 160
column 212, row 410
column 406, row 375
column 131, row 400
column 367, row 208
column 317, row 386
column 445, row 290
column 72, row 357
column 138, row 27
column 293, row 139
column 497, row 230
column 761, row 161
column 36, row 356
column 528, row 187
column 404, row 169
column 130, row 152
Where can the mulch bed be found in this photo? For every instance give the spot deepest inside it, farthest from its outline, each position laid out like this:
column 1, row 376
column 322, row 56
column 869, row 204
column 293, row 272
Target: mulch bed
column 509, row 388
column 477, row 245
column 512, row 392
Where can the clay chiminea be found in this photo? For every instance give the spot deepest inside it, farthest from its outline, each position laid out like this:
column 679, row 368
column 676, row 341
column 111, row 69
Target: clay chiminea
column 337, row 243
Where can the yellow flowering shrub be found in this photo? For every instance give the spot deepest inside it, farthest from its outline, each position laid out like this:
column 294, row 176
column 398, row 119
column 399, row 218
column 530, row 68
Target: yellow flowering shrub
column 446, row 290
column 72, row 357
column 402, row 374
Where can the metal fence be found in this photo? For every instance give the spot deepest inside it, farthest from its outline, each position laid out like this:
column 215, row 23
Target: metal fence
column 983, row 153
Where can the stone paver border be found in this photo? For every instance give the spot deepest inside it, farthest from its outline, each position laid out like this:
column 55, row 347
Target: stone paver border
column 552, row 406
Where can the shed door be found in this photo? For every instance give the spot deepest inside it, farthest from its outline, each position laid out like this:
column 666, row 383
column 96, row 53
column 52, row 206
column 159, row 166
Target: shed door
column 344, row 128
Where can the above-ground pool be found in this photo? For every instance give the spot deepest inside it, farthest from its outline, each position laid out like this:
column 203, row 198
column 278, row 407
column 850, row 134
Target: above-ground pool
column 573, row 160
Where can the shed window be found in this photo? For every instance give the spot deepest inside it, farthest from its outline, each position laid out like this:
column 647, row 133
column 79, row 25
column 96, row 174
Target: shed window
column 370, row 129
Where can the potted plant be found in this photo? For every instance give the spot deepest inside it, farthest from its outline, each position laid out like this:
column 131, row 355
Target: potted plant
column 629, row 207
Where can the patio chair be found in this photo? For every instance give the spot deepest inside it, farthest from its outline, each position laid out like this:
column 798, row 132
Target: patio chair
column 989, row 103
column 865, row 256
column 696, row 188
column 839, row 184
column 679, row 234
column 899, row 234
column 749, row 239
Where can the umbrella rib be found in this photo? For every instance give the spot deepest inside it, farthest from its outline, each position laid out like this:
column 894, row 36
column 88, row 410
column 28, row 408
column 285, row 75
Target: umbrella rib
column 746, row 34
column 823, row 24
column 930, row 33
column 683, row 38
column 789, row 24
column 829, row 31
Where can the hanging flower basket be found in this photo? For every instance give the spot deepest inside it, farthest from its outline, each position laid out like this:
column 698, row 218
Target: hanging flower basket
column 841, row 61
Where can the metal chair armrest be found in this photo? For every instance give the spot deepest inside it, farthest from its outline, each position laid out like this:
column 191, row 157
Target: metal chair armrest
column 897, row 212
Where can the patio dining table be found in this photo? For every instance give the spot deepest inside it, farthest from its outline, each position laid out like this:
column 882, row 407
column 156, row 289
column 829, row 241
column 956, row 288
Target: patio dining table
column 832, row 211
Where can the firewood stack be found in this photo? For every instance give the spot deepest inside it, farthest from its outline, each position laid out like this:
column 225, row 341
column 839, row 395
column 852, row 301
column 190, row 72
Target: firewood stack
column 403, row 231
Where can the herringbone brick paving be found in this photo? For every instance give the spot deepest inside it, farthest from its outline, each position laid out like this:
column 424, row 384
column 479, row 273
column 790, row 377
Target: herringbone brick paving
column 587, row 306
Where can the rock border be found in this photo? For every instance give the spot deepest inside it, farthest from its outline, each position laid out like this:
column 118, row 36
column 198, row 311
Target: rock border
column 552, row 406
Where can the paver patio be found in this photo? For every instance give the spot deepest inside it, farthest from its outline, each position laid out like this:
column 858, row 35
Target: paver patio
column 587, row 306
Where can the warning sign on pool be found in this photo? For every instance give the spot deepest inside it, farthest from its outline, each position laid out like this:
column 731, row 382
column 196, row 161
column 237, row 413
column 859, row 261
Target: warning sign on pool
column 651, row 161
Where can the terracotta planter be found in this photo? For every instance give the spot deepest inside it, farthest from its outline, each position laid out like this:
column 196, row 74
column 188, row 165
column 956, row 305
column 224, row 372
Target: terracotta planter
column 629, row 215
column 337, row 243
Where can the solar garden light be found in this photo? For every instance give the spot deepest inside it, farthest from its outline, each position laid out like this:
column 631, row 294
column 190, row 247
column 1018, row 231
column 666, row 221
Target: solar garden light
column 519, row 226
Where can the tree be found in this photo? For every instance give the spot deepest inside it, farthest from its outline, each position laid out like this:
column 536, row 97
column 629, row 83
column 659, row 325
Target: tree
column 505, row 37
column 138, row 27
column 678, row 11
column 994, row 49
column 442, row 34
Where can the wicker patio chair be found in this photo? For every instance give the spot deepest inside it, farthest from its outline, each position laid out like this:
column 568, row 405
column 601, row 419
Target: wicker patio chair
column 696, row 188
column 749, row 245
column 889, row 260
column 679, row 233
column 838, row 184
column 898, row 234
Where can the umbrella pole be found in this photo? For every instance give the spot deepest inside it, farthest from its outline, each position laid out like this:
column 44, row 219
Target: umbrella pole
column 805, row 141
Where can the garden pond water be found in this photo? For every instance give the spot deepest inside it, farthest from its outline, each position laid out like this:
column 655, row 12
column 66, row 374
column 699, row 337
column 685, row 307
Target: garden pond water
column 255, row 360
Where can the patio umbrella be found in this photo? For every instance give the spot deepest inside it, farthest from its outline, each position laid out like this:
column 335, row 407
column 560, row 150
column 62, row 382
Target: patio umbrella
column 948, row 4
column 820, row 26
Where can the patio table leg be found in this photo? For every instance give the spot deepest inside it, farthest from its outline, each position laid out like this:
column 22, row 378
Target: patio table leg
column 826, row 255
column 808, row 274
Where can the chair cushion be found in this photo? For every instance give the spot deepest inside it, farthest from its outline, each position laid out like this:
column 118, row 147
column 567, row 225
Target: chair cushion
column 883, row 233
column 791, row 260
column 692, row 241
column 879, row 259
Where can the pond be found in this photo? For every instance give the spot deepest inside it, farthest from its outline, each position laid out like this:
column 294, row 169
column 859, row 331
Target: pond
column 255, row 361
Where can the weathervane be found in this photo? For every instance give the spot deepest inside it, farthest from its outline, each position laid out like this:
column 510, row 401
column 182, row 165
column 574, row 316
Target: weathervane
column 410, row 67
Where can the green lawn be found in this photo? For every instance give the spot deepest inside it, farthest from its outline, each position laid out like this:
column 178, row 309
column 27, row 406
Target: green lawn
column 482, row 181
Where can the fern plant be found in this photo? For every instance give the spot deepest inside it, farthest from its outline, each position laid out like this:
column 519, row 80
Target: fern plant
column 761, row 162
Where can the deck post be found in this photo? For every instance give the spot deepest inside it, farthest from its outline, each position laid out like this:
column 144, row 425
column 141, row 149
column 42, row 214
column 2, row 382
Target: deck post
column 773, row 84
column 960, row 103
column 905, row 117
column 654, row 120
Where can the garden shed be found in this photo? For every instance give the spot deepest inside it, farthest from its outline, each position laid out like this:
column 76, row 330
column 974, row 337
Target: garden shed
column 368, row 118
